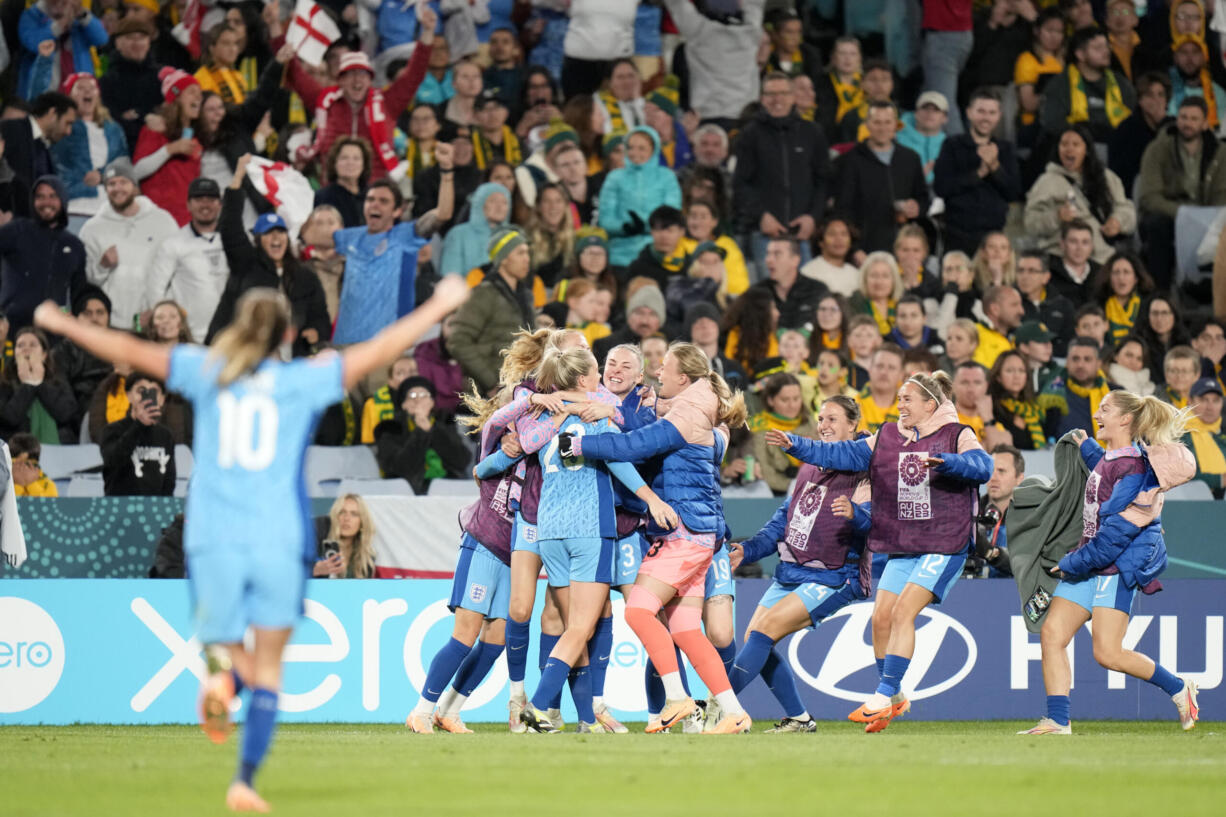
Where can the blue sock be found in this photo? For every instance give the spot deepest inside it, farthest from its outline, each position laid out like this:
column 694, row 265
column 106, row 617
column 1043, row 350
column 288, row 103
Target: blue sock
column 685, row 682
column 1164, row 680
column 892, row 671
column 475, row 667
column 598, row 650
column 239, row 686
column 443, row 667
column 748, row 662
column 727, row 654
column 1058, row 709
column 518, row 636
column 880, row 668
column 257, row 732
column 778, row 676
column 553, row 678
column 547, row 642
column 655, row 689
column 581, row 693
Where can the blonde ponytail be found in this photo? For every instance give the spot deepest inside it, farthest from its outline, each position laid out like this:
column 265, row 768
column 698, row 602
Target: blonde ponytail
column 1153, row 421
column 261, row 319
column 561, row 370
column 693, row 363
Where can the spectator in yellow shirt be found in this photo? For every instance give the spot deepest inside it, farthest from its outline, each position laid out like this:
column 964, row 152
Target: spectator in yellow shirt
column 382, row 405
column 28, row 478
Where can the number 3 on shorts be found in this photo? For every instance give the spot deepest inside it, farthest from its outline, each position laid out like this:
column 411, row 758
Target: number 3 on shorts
column 628, row 553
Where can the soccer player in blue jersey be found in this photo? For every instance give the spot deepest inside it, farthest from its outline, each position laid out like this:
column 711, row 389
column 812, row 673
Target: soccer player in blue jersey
column 249, row 540
column 819, row 534
column 1121, row 551
column 577, row 532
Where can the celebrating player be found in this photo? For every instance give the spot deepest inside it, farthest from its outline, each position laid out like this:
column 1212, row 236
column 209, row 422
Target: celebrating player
column 674, row 569
column 924, row 470
column 576, row 531
column 248, row 538
column 819, row 534
column 1121, row 550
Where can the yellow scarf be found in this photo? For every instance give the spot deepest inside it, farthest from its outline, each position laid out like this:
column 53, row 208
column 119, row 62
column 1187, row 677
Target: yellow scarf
column 117, row 404
column 225, row 82
column 1175, row 400
column 1209, row 457
column 830, row 341
column 416, row 158
column 1122, row 318
column 614, row 109
column 485, row 152
column 1094, row 393
column 849, row 95
column 885, row 323
column 1079, row 106
column 1031, row 415
column 765, row 420
column 1123, row 50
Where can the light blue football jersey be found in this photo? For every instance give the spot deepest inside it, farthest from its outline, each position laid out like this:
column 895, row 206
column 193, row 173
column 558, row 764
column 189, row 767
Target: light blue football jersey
column 250, row 441
column 577, row 499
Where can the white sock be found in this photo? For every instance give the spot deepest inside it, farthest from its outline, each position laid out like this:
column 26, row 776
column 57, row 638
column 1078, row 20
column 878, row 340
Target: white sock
column 877, row 701
column 455, row 705
column 728, row 703
column 517, row 689
column 896, row 697
column 424, row 707
column 674, row 690
column 804, row 717
column 597, row 702
column 444, row 700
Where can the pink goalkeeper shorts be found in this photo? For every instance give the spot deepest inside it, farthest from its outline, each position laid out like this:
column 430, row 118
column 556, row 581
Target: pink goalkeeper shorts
column 680, row 560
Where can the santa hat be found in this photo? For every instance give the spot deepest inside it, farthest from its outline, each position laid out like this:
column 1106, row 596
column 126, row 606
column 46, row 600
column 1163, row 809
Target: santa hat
column 355, row 61
column 175, row 82
column 73, row 79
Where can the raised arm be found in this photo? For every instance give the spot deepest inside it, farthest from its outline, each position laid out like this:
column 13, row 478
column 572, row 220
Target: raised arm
column 658, row 438
column 847, row 455
column 107, row 344
column 386, row 347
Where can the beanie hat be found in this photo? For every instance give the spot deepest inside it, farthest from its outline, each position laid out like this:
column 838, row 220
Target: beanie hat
column 559, row 132
column 611, row 142
column 73, row 79
column 667, row 97
column 355, row 61
column 175, row 82
column 502, row 242
column 650, row 297
column 591, row 236
column 87, row 293
column 132, row 25
column 700, row 310
column 120, row 168
column 414, row 382
column 708, row 246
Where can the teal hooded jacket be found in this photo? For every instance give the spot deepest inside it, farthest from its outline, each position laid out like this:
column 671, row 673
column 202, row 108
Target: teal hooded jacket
column 467, row 245
column 637, row 189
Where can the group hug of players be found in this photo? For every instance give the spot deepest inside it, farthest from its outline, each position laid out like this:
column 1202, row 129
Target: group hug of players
column 607, row 484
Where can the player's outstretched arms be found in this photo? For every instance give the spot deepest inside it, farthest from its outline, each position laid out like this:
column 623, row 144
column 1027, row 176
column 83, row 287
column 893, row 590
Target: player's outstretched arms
column 107, row 344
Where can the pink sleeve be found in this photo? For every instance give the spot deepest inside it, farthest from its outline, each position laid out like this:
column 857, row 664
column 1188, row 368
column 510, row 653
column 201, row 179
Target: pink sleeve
column 535, row 432
column 603, row 395
column 967, row 441
column 508, row 414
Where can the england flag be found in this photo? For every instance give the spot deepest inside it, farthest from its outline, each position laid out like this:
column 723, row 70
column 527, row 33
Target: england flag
column 311, row 32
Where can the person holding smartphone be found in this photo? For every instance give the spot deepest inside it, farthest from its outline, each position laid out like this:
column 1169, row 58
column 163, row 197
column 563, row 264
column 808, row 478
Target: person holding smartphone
column 138, row 451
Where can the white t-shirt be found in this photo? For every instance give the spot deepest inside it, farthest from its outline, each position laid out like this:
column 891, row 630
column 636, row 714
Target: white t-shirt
column 844, row 280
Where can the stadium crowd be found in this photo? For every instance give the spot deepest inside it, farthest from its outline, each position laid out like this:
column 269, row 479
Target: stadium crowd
column 824, row 197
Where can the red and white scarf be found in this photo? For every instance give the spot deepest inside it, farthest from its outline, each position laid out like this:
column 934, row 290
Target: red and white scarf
column 376, row 118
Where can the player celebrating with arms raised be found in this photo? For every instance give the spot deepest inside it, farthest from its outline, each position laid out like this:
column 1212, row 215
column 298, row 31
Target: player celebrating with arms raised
column 925, row 471
column 249, row 540
column 819, row 534
column 1121, row 550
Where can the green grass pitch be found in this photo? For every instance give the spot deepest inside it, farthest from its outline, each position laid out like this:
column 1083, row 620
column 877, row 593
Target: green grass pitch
column 914, row 768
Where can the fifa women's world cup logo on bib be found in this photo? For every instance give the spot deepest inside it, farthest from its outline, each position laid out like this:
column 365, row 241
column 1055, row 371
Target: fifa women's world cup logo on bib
column 807, row 508
column 1089, row 513
column 499, row 503
column 914, row 492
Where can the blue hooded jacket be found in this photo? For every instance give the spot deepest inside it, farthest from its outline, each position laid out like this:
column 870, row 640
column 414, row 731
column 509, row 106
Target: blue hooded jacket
column 467, row 245
column 637, row 189
column 33, row 27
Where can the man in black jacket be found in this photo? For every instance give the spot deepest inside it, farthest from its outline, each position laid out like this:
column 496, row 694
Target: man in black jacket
column 138, row 452
column 795, row 295
column 39, row 258
column 879, row 184
column 82, row 370
column 130, row 87
column 27, row 148
column 977, row 176
column 781, row 169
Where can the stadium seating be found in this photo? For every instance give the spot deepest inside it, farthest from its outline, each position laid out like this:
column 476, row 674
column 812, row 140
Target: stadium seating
column 84, row 485
column 1190, row 492
column 374, row 487
column 61, row 462
column 453, row 487
column 326, row 466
